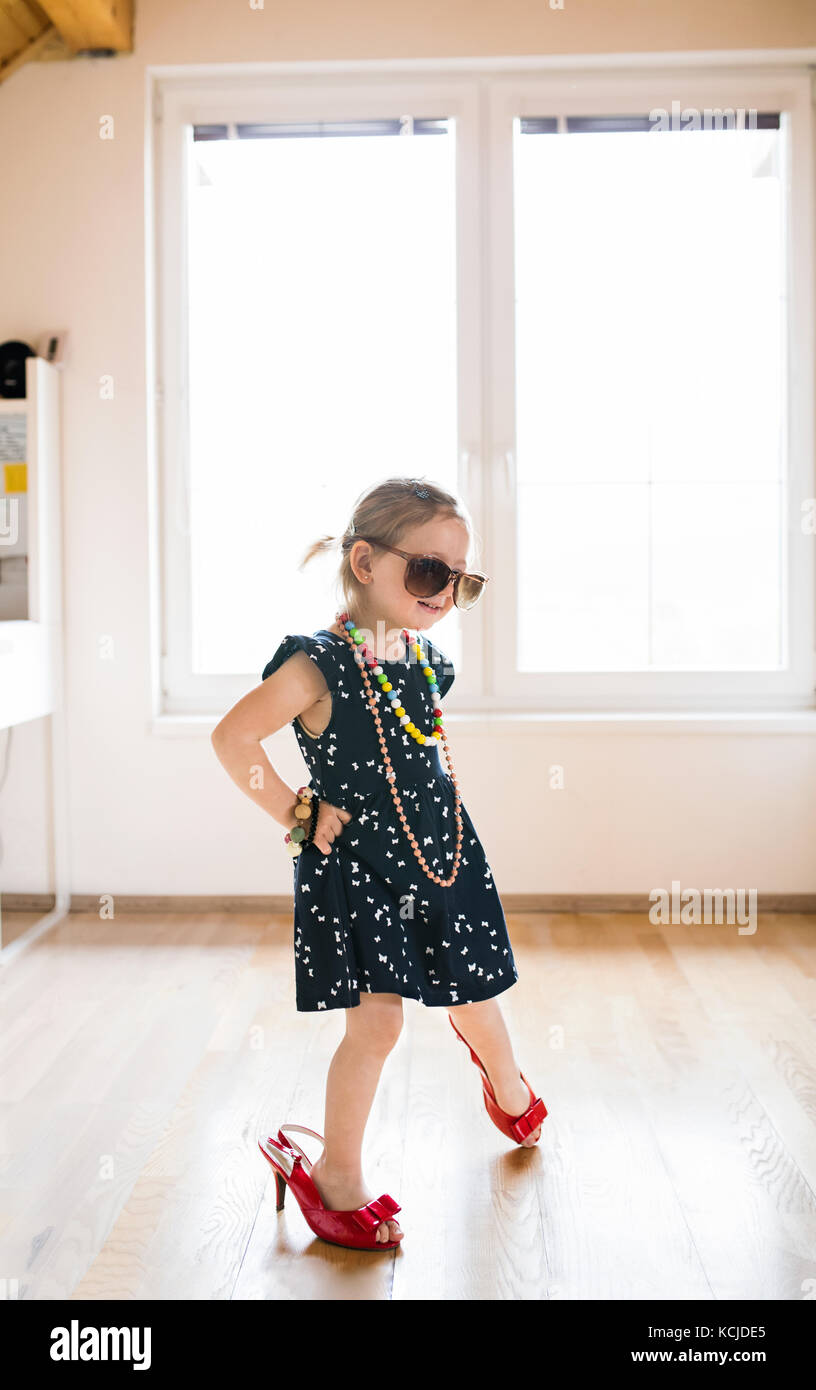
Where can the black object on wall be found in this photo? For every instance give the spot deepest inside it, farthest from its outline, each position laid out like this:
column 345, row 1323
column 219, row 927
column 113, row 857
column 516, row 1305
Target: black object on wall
column 13, row 370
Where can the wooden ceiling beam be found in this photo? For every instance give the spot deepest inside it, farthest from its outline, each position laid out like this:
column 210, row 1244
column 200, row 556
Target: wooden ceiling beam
column 20, row 24
column 87, row 24
column 47, row 45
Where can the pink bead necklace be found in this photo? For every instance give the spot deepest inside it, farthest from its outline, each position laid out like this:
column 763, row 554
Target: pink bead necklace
column 365, row 658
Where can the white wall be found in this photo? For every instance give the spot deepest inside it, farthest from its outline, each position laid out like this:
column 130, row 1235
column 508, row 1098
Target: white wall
column 25, row 811
column 159, row 815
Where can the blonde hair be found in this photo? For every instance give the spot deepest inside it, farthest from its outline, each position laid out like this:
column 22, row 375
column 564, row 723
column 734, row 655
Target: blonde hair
column 386, row 511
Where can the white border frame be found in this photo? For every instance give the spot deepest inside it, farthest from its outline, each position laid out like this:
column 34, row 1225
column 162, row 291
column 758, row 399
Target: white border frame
column 682, row 690
column 783, row 67
column 177, row 107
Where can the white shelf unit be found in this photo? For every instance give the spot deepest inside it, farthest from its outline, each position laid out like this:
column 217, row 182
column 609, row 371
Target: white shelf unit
column 31, row 644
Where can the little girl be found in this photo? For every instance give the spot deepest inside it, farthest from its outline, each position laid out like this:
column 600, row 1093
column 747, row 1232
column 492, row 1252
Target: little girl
column 393, row 895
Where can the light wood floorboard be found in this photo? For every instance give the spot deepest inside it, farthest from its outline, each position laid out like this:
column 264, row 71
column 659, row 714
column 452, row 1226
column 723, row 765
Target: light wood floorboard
column 140, row 1060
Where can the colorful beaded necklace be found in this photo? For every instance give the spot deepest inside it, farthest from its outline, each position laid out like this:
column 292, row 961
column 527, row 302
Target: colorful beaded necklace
column 366, row 658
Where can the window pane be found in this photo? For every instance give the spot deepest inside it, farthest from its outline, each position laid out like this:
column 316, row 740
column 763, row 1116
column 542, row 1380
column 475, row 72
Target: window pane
column 322, row 358
column 650, row 331
column 587, row 576
column 715, row 567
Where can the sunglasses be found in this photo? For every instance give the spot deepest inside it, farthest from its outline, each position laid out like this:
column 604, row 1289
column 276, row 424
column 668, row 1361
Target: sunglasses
column 426, row 575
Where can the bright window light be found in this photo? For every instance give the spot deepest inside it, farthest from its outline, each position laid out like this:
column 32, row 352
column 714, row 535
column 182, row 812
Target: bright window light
column 322, row 358
column 650, row 332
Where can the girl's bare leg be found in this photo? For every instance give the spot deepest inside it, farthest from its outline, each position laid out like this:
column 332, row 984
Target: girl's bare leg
column 482, row 1025
column 372, row 1028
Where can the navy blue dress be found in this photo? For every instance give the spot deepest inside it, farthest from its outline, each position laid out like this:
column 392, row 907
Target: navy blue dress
column 367, row 917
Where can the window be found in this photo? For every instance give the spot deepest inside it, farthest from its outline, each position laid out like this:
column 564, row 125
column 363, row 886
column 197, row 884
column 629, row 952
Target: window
column 596, row 329
column 650, row 332
column 322, row 332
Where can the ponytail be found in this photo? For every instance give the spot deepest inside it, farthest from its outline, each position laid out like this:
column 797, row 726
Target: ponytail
column 317, row 548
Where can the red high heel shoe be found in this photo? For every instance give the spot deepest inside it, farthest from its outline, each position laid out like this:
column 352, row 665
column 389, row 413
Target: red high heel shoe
column 354, row 1230
column 523, row 1124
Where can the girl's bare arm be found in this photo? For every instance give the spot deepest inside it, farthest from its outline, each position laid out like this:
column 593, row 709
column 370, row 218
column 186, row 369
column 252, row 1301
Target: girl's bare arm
column 288, row 692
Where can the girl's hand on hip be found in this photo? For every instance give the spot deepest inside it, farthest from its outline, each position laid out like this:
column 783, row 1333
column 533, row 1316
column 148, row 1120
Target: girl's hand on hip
column 330, row 822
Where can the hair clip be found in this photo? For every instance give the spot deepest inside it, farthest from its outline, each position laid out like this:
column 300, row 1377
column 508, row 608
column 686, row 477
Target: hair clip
column 421, row 491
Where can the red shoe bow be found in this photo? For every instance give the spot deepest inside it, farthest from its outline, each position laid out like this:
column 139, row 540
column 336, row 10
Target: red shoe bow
column 530, row 1120
column 374, row 1212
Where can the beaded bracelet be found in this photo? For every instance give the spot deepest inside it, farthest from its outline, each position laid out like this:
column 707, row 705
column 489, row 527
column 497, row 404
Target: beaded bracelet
column 305, row 810
column 313, row 822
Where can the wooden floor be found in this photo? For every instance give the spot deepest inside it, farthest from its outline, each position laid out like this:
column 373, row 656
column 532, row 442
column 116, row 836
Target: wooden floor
column 140, row 1059
column 14, row 923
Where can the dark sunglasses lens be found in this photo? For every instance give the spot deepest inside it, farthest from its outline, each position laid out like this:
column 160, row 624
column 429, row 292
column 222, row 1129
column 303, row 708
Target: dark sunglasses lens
column 466, row 590
column 425, row 577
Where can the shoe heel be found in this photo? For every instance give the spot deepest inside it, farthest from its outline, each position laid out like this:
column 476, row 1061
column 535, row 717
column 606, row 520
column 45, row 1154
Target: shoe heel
column 280, row 1190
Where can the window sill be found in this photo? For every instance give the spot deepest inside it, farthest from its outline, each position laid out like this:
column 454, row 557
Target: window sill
column 516, row 722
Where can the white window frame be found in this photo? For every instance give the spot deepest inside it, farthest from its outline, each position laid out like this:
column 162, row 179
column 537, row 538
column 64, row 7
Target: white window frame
column 589, row 94
column 483, row 100
column 180, row 104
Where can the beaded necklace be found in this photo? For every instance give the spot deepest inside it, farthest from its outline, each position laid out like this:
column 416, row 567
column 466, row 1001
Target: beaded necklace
column 365, row 658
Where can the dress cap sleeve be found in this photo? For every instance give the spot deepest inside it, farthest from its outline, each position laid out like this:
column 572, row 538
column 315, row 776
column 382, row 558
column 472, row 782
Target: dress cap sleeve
column 321, row 653
column 442, row 665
